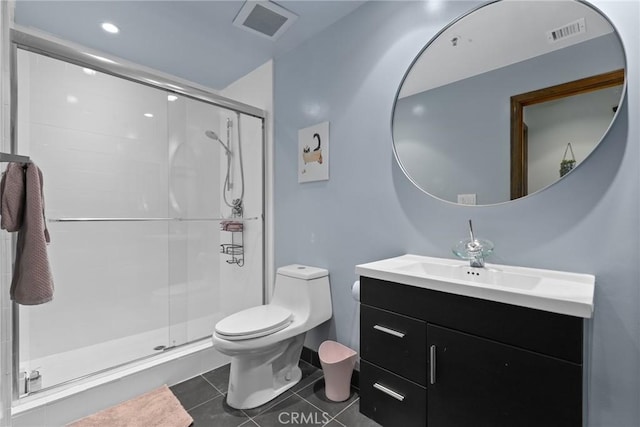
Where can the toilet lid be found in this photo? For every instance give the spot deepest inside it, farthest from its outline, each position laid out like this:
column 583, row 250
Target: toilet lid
column 254, row 322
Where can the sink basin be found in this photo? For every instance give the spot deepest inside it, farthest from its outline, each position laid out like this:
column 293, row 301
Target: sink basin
column 554, row 291
column 487, row 275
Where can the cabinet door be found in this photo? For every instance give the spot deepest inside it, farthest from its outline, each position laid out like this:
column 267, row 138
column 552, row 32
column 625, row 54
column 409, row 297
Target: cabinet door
column 478, row 382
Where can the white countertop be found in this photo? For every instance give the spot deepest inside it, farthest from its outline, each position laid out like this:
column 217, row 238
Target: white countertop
column 548, row 290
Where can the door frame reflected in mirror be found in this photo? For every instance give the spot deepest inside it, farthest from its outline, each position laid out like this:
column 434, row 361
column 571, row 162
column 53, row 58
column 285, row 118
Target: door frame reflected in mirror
column 519, row 149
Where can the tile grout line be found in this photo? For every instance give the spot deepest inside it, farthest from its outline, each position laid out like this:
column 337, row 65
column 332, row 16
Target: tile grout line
column 348, row 406
column 211, row 384
column 200, row 404
column 268, row 408
column 293, row 393
column 335, row 421
column 322, row 410
column 308, row 385
column 250, row 420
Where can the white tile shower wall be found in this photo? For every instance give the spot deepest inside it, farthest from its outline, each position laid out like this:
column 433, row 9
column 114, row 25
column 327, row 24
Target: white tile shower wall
column 101, row 157
column 90, row 134
column 246, row 289
column 104, row 288
column 256, row 88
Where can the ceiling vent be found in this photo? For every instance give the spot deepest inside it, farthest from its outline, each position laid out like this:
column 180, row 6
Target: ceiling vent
column 572, row 29
column 264, row 18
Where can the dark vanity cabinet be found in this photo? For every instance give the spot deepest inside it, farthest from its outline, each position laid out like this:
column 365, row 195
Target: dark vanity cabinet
column 439, row 359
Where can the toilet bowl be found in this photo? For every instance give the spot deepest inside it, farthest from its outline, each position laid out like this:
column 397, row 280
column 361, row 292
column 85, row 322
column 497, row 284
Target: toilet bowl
column 265, row 342
column 337, row 363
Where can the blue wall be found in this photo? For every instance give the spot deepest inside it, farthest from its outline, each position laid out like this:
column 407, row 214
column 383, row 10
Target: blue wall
column 588, row 222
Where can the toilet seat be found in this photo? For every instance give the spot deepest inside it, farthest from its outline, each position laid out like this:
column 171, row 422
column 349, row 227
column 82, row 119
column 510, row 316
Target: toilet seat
column 254, row 322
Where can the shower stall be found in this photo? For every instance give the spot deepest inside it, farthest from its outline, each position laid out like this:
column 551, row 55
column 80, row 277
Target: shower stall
column 154, row 200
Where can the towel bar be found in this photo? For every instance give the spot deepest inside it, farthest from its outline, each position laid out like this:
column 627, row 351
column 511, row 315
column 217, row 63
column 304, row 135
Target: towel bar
column 8, row 157
column 141, row 219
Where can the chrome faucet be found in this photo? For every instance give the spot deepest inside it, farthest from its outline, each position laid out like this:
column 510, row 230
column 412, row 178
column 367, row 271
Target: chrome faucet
column 473, row 249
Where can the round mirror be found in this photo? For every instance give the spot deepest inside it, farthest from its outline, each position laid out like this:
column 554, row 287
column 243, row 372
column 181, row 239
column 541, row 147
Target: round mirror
column 506, row 100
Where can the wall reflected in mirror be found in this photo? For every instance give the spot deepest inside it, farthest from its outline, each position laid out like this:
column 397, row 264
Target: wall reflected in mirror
column 454, row 128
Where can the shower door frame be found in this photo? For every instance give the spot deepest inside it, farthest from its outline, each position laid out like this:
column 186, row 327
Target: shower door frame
column 21, row 38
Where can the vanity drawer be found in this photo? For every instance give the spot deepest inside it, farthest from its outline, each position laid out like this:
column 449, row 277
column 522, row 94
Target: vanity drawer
column 553, row 334
column 391, row 400
column 399, row 343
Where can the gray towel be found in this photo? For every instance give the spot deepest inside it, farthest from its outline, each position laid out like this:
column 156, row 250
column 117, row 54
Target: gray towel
column 12, row 200
column 32, row 279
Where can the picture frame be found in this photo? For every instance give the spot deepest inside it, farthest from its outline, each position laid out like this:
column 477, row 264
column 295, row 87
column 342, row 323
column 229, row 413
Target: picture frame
column 313, row 153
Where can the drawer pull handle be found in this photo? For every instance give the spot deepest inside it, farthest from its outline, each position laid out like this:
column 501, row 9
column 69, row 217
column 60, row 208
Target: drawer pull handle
column 388, row 391
column 389, row 331
column 432, row 364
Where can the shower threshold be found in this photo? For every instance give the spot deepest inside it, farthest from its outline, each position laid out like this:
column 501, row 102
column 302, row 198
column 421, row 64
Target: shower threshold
column 70, row 387
column 59, row 368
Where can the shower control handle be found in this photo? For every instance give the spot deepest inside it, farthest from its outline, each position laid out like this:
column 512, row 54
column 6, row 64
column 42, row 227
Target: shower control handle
column 389, row 331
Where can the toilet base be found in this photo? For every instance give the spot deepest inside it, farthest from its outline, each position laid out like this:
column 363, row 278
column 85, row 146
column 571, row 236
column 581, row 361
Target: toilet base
column 255, row 379
column 256, row 397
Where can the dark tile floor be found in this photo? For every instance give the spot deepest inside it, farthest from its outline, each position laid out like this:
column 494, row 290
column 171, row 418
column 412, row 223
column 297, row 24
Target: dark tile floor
column 305, row 404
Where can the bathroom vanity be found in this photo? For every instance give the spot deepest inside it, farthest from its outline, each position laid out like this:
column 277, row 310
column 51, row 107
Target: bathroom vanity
column 445, row 344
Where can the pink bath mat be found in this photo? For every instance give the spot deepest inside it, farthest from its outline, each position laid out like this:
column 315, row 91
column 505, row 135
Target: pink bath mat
column 158, row 408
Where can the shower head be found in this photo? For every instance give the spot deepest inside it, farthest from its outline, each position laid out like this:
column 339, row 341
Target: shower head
column 211, row 134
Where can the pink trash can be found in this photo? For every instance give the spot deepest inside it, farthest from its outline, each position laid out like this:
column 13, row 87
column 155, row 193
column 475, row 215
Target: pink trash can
column 337, row 363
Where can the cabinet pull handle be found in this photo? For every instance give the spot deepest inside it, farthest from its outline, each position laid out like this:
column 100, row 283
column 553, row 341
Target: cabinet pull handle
column 389, row 331
column 432, row 364
column 388, row 391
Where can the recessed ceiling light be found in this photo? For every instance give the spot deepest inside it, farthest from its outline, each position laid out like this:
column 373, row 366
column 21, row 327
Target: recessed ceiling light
column 148, row 115
column 110, row 28
column 72, row 99
column 172, row 98
column 89, row 71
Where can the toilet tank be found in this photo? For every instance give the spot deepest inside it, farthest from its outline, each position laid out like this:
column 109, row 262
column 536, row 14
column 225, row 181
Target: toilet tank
column 305, row 291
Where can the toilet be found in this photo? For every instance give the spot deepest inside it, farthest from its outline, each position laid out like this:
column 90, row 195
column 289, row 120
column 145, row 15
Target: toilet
column 265, row 342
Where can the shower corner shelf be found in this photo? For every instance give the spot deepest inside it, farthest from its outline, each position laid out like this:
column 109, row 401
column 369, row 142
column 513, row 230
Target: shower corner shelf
column 235, row 248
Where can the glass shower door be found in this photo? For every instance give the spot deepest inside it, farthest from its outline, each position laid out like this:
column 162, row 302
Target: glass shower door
column 101, row 143
column 206, row 285
column 134, row 194
column 194, row 185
